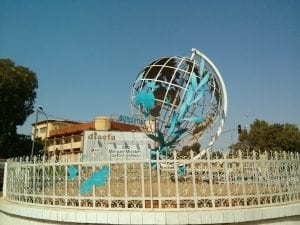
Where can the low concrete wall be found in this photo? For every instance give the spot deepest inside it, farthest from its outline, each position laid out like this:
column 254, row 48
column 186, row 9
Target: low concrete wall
column 15, row 213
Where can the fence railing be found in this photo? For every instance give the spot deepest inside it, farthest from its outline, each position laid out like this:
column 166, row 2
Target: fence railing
column 243, row 180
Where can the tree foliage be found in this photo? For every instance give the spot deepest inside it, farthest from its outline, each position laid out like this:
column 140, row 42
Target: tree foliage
column 18, row 86
column 19, row 145
column 263, row 136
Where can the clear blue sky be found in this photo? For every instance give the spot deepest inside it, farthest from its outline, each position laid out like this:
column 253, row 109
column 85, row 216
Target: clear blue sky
column 86, row 54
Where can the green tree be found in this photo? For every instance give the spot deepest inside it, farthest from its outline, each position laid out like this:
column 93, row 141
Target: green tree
column 20, row 145
column 263, row 136
column 18, row 86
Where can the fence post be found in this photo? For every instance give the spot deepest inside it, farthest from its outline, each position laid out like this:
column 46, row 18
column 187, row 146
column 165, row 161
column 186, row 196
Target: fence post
column 143, row 180
column 255, row 168
column 150, row 180
column 5, row 180
column 211, row 179
column 125, row 180
column 287, row 174
column 226, row 170
column 66, row 183
column 54, row 181
column 278, row 177
column 242, row 176
column 158, row 179
column 194, row 178
column 175, row 162
column 34, row 178
column 43, row 179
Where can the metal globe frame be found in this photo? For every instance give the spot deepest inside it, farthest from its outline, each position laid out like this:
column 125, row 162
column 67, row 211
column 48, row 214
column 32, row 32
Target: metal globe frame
column 180, row 100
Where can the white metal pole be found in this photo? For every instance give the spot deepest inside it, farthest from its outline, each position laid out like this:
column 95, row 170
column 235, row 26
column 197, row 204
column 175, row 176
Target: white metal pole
column 34, row 133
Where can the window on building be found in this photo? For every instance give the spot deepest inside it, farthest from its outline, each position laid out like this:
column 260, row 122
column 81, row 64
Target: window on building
column 43, row 130
column 67, row 140
column 77, row 138
column 51, row 141
column 58, row 141
column 67, row 151
column 76, row 150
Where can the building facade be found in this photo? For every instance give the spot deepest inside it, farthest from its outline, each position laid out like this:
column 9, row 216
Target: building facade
column 43, row 127
column 67, row 137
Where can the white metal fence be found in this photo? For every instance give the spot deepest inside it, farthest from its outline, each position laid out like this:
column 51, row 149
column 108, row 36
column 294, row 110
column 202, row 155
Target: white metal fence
column 244, row 180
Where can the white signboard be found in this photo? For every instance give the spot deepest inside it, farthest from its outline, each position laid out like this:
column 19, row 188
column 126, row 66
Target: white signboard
column 116, row 145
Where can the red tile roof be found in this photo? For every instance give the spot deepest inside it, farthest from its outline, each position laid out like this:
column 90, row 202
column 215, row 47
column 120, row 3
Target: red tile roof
column 79, row 128
column 124, row 127
column 75, row 129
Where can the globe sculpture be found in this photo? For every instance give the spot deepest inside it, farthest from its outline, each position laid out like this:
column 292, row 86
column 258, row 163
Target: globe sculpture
column 181, row 101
